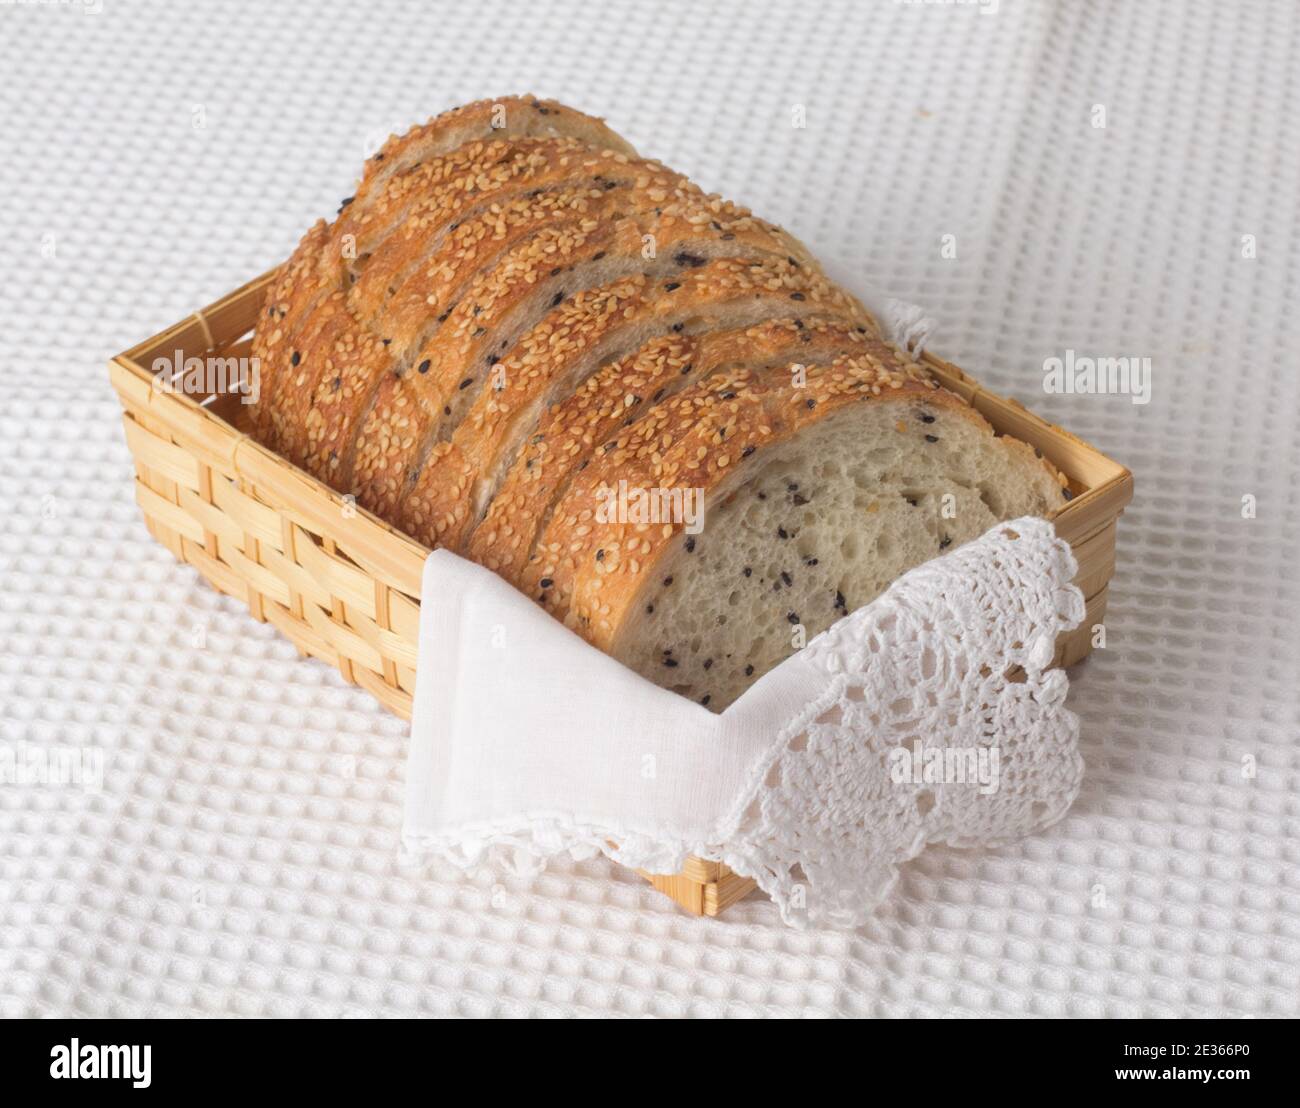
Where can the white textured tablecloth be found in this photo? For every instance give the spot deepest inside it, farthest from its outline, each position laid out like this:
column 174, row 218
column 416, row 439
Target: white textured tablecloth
column 241, row 857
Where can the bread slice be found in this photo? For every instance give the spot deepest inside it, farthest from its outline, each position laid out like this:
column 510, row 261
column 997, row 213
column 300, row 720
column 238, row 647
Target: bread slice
column 506, row 173
column 572, row 343
column 407, row 167
column 612, row 399
column 447, row 154
column 460, row 358
column 516, row 116
column 815, row 498
column 298, row 287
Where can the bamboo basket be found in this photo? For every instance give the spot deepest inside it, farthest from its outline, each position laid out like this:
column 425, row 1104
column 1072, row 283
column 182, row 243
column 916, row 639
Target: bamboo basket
column 344, row 586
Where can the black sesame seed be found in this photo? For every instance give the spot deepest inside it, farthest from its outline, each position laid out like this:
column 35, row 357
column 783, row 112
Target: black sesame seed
column 467, row 382
column 810, row 561
column 1067, row 494
column 423, row 367
column 792, row 617
column 600, row 555
column 704, row 700
column 492, row 359
column 839, row 600
column 295, row 358
column 649, row 608
column 926, row 417
column 557, row 298
column 387, row 341
column 336, row 384
column 797, row 296
column 597, row 257
column 781, row 533
column 692, row 260
column 690, row 544
column 443, row 318
column 749, row 671
column 446, row 409
column 678, row 328
column 667, row 581
column 671, row 663
column 810, row 404
column 672, row 286
column 931, row 438
column 787, row 579
column 748, row 571
column 546, row 582
column 708, row 662
column 945, row 542
column 799, row 499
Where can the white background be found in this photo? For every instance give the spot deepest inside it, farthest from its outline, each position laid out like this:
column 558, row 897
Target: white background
column 241, row 857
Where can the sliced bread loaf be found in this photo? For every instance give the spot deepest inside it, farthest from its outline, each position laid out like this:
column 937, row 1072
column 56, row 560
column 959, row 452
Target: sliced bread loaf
column 645, row 407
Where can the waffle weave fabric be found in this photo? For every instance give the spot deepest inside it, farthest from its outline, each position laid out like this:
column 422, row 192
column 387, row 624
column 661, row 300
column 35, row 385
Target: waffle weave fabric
column 241, row 856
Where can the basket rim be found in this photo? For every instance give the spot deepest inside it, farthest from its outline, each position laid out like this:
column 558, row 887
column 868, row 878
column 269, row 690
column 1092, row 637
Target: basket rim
column 1102, row 486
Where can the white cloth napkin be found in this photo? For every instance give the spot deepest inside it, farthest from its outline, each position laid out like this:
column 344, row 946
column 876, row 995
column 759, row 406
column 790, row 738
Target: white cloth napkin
column 925, row 716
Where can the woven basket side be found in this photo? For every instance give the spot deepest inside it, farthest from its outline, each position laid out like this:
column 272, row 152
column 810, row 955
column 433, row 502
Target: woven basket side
column 341, row 585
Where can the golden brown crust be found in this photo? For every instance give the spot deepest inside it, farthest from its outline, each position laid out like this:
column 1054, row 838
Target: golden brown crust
column 401, row 170
column 458, row 150
column 611, row 400
column 456, row 188
column 296, row 291
column 518, row 116
column 557, row 355
column 452, row 368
